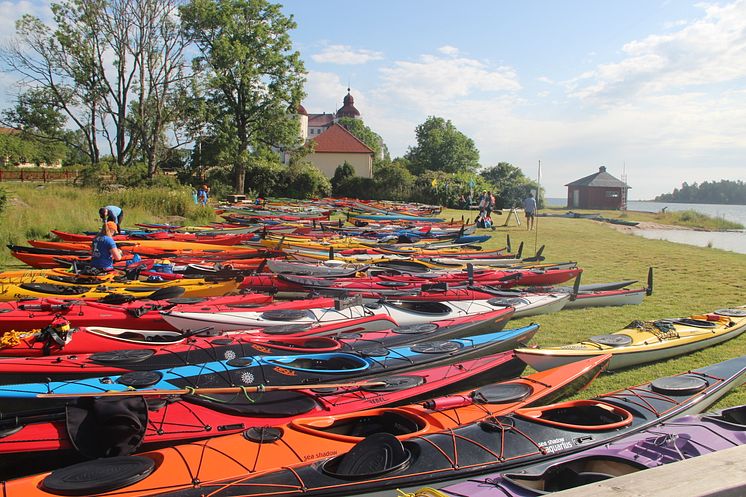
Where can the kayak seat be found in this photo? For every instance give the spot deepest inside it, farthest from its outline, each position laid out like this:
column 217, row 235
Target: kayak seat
column 612, row 340
column 735, row 416
column 287, row 314
column 277, row 404
column 391, row 422
column 568, row 478
column 52, row 289
column 377, row 455
column 431, row 308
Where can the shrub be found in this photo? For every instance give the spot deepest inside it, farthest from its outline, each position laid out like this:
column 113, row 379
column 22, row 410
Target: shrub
column 304, row 181
column 358, row 187
column 393, row 182
column 343, row 172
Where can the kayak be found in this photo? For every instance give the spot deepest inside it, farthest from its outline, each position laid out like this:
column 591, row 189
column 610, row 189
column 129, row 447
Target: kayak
column 401, row 312
column 77, row 344
column 102, row 351
column 365, row 362
column 647, row 341
column 672, row 441
column 382, row 462
column 503, row 441
column 26, row 315
column 192, row 288
column 312, row 429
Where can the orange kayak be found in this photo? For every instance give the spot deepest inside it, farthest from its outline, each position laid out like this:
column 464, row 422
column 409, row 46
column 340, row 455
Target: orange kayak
column 182, row 467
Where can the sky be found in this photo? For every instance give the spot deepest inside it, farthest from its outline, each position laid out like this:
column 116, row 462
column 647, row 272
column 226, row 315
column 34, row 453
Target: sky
column 655, row 90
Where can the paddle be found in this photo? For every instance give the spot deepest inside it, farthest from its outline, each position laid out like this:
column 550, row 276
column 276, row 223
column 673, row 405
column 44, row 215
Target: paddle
column 649, row 289
column 209, row 391
column 575, row 288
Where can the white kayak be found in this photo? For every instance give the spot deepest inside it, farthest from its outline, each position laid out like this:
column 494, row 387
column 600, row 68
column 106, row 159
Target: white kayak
column 403, row 313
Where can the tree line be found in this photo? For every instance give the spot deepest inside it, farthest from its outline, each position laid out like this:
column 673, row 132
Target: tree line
column 714, row 192
column 211, row 87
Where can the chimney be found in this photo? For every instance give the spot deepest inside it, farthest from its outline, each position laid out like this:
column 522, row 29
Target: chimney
column 602, row 169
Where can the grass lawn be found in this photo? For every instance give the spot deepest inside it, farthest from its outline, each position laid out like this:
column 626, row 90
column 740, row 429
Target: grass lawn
column 688, row 280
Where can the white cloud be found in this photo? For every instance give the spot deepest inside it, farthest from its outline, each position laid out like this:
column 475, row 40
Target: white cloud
column 708, row 51
column 448, row 50
column 434, row 82
column 346, row 55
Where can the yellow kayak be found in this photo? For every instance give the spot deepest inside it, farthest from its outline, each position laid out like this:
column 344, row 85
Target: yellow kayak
column 37, row 290
column 645, row 341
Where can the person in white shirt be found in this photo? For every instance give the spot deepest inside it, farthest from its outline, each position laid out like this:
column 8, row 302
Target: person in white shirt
column 529, row 207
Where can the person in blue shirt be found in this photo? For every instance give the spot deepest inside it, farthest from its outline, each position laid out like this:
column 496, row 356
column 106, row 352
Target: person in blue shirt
column 202, row 195
column 529, row 207
column 104, row 249
column 112, row 213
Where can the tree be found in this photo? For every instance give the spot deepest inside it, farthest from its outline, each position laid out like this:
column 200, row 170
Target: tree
column 251, row 75
column 366, row 135
column 441, row 147
column 509, row 184
column 108, row 66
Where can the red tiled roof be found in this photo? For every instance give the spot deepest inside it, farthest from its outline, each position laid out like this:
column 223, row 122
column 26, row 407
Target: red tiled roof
column 8, row 131
column 338, row 139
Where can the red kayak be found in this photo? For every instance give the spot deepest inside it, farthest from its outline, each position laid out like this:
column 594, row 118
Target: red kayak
column 82, row 348
column 193, row 417
column 28, row 315
column 118, row 351
column 401, row 282
column 226, row 239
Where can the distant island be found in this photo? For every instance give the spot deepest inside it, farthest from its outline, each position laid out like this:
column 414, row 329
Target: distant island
column 720, row 192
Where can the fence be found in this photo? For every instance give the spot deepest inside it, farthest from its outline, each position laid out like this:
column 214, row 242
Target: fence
column 36, row 176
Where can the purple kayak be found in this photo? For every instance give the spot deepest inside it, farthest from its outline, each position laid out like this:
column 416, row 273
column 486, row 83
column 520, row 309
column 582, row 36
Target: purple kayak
column 673, row 441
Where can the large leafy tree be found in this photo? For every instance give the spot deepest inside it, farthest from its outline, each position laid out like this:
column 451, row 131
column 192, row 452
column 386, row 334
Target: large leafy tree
column 510, row 185
column 111, row 68
column 251, row 76
column 442, row 147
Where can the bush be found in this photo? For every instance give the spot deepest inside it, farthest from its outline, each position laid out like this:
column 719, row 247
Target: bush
column 304, row 181
column 393, row 182
column 357, row 187
column 3, row 199
column 343, row 172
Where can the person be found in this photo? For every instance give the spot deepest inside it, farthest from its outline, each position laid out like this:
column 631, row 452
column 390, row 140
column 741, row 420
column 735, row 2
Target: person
column 104, row 249
column 529, row 207
column 114, row 214
column 489, row 204
column 462, row 202
column 202, row 194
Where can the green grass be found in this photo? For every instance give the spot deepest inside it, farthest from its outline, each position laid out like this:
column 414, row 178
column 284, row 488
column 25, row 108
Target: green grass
column 688, row 280
column 33, row 210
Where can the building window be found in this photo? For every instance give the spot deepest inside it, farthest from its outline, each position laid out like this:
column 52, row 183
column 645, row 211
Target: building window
column 612, row 194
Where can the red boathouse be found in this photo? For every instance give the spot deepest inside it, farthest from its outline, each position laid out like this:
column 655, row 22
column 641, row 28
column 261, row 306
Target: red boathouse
column 600, row 190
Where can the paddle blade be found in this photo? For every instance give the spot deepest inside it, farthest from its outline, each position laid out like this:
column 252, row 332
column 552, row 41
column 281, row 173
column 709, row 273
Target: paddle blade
column 169, row 292
column 649, row 289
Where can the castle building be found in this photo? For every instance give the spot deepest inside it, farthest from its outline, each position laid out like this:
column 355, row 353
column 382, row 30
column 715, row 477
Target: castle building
column 334, row 144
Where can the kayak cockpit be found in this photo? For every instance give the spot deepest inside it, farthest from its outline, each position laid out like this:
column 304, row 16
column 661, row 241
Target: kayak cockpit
column 574, row 473
column 355, row 427
column 137, row 336
column 327, row 363
column 580, row 415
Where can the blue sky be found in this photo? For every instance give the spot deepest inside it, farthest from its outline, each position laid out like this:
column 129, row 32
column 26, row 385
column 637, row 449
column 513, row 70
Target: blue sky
column 653, row 88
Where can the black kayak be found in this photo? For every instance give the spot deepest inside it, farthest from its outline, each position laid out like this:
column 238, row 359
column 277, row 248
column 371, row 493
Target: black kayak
column 381, row 462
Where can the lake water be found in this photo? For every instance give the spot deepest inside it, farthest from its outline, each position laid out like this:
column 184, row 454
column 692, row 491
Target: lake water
column 734, row 241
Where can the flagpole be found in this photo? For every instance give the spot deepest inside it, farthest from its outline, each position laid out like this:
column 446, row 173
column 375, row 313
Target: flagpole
column 536, row 214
